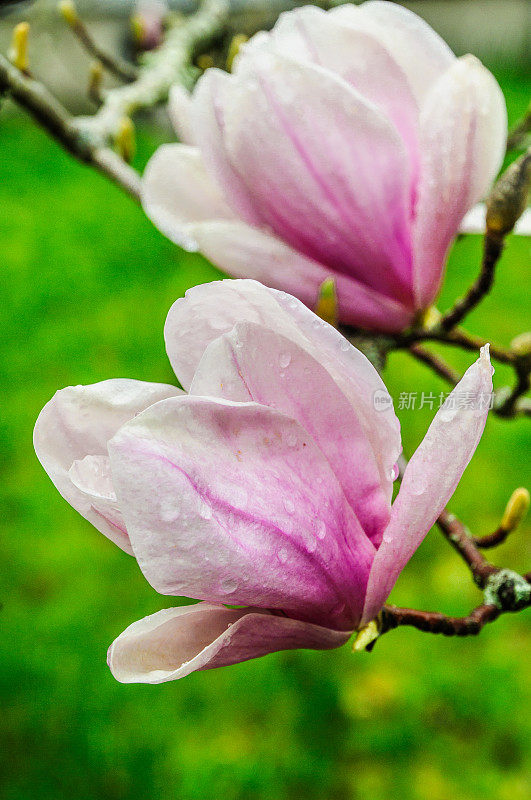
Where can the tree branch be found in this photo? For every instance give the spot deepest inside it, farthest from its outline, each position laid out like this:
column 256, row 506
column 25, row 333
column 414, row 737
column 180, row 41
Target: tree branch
column 114, row 64
column 55, row 119
column 433, row 622
column 170, row 63
column 492, row 250
column 435, row 363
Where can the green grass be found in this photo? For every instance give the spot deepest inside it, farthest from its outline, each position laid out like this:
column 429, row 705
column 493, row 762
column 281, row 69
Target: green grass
column 86, row 284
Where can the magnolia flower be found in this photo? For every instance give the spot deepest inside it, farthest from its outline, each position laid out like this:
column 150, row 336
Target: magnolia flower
column 346, row 144
column 265, row 484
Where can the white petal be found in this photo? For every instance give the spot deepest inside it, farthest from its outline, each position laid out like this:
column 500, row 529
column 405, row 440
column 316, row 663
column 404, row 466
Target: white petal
column 431, row 477
column 463, row 136
column 177, row 191
column 417, row 49
column 177, row 641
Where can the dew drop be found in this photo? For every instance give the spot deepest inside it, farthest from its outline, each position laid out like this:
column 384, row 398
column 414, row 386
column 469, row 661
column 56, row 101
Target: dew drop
column 291, row 440
column 228, row 585
column 285, row 360
column 320, row 529
column 289, row 505
column 282, row 555
column 419, row 487
column 393, row 474
column 205, row 512
column 344, row 346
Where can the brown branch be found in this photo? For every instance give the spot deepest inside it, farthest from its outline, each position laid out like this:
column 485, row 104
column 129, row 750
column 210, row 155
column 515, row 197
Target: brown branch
column 456, row 533
column 433, row 622
column 509, row 407
column 437, row 364
column 492, row 250
column 55, row 119
column 491, row 539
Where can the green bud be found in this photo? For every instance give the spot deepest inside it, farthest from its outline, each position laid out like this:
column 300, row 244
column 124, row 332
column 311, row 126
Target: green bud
column 516, row 509
column 508, row 198
column 326, row 307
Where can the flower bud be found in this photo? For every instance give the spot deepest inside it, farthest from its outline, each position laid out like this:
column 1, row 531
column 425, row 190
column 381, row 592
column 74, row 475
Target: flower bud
column 521, row 345
column 18, row 54
column 516, row 509
column 326, row 307
column 366, row 636
column 68, row 11
column 508, row 199
column 234, row 48
column 125, row 140
column 95, row 80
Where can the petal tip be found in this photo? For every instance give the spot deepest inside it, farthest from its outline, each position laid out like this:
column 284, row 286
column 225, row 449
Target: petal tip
column 484, row 358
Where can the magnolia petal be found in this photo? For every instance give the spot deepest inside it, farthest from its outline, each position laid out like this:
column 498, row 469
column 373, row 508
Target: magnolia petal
column 70, row 439
column 346, row 205
column 208, row 311
column 246, row 252
column 474, row 221
column 463, row 137
column 431, row 477
column 177, row 191
column 254, row 363
column 208, row 119
column 179, row 110
column 414, row 45
column 315, row 36
column 177, row 641
column 234, row 503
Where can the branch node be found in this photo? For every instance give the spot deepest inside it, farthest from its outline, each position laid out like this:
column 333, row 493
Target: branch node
column 507, row 590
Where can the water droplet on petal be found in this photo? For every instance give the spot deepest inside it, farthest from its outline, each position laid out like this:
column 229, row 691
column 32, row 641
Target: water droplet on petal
column 289, row 505
column 205, row 512
column 320, row 528
column 285, row 360
column 291, row 440
column 282, row 555
column 393, row 473
column 228, row 585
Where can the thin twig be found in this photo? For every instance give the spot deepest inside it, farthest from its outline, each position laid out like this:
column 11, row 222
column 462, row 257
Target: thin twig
column 491, row 539
column 433, row 622
column 114, row 64
column 55, row 119
column 456, row 533
column 509, row 407
column 437, row 364
column 171, row 62
column 492, row 250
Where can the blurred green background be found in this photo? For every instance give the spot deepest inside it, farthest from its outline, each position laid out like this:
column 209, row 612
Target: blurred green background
column 86, row 284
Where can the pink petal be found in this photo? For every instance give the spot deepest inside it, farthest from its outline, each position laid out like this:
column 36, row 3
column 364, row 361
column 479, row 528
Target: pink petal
column 208, row 120
column 253, row 363
column 177, row 641
column 346, row 205
column 70, row 439
column 416, row 48
column 312, row 35
column 177, row 191
column 179, row 110
column 208, row 311
column 463, row 136
column 431, row 478
column 246, row 252
column 234, row 503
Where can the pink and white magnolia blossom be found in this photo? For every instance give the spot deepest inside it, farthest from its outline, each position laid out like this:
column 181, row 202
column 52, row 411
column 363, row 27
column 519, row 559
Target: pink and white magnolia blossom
column 346, row 144
column 265, row 484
